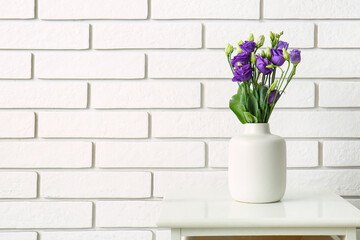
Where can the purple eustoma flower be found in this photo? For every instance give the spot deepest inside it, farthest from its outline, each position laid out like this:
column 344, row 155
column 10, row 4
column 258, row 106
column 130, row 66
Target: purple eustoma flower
column 248, row 46
column 282, row 45
column 261, row 64
column 277, row 57
column 295, row 56
column 242, row 73
column 243, row 58
column 272, row 96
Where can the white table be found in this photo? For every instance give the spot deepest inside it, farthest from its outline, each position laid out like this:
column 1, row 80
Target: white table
column 195, row 213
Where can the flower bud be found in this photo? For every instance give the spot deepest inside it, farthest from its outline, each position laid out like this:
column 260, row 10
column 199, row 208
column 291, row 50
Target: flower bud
column 270, row 66
column 251, row 37
column 238, row 48
column 272, row 36
column 253, row 58
column 295, row 56
column 286, row 55
column 260, row 41
column 268, row 53
column 229, row 49
column 263, row 53
column 273, row 85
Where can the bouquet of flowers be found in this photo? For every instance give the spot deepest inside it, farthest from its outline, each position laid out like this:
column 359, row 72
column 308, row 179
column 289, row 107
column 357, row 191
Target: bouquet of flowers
column 259, row 90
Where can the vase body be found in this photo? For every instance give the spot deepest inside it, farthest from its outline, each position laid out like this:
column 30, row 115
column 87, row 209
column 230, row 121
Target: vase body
column 257, row 165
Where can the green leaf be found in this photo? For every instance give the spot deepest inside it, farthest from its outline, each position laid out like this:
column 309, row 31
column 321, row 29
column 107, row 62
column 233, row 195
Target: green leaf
column 258, row 114
column 242, row 95
column 256, row 94
column 250, row 118
column 238, row 108
column 252, row 105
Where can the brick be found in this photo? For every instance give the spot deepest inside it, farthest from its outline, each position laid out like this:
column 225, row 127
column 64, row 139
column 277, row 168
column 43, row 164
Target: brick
column 43, row 95
column 96, row 235
column 145, row 95
column 45, row 154
column 17, row 9
column 283, row 123
column 17, row 125
column 93, row 124
column 46, row 214
column 308, row 9
column 150, row 154
column 93, row 9
column 127, row 213
column 342, row 182
column 332, row 35
column 188, row 65
column 18, row 185
column 18, row 236
column 214, row 9
column 218, row 34
column 89, row 65
column 341, row 153
column 15, row 65
column 95, row 184
column 302, row 153
column 299, row 153
column 297, row 95
column 316, row 124
column 165, row 181
column 195, row 124
column 218, row 152
column 147, row 35
column 44, row 35
column 339, row 94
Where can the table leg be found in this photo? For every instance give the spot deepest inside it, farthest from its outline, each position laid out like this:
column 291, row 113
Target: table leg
column 350, row 234
column 175, row 234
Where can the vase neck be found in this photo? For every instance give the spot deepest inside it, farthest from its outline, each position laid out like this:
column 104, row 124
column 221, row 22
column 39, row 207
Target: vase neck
column 256, row 128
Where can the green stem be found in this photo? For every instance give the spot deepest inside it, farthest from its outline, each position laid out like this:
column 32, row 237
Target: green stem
column 287, row 83
column 282, row 81
column 273, row 76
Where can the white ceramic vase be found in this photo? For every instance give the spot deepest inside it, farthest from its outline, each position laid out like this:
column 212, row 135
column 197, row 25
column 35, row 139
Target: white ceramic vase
column 257, row 165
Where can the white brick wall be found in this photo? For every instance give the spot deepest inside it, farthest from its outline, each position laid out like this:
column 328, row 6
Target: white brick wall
column 150, row 154
column 147, row 35
column 96, row 184
column 18, row 236
column 46, row 214
column 93, row 124
column 104, row 104
column 96, row 235
column 17, row 9
column 18, row 185
column 42, row 95
column 146, row 95
column 44, row 35
column 45, row 154
column 127, row 213
column 89, row 65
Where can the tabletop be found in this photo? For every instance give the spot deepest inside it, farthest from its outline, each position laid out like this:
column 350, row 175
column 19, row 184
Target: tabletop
column 214, row 208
